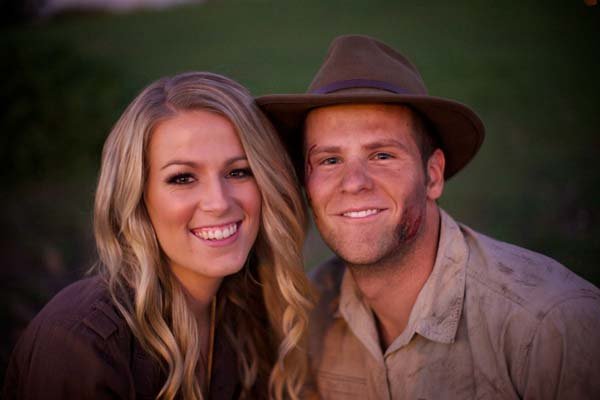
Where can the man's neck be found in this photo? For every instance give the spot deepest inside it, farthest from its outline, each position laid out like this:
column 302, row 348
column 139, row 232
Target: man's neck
column 391, row 292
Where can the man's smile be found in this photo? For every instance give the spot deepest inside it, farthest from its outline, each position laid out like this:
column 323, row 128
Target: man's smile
column 361, row 213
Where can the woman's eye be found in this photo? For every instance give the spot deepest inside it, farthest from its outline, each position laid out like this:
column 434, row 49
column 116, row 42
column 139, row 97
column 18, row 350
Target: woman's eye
column 181, row 179
column 240, row 173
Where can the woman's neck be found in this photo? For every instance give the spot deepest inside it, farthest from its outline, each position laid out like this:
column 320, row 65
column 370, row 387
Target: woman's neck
column 199, row 290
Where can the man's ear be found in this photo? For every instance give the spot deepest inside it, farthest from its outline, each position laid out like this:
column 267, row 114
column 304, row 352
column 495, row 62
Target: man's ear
column 435, row 171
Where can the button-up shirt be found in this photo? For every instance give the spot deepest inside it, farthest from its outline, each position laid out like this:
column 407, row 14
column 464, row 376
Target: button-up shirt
column 493, row 321
column 80, row 347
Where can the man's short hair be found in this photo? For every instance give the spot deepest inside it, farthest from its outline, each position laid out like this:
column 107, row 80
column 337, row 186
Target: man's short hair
column 424, row 134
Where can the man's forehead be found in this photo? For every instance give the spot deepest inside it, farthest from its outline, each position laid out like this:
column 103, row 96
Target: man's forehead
column 366, row 122
column 364, row 111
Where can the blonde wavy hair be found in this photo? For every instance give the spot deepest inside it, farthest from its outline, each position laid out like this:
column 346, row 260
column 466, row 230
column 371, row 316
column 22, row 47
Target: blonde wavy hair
column 267, row 300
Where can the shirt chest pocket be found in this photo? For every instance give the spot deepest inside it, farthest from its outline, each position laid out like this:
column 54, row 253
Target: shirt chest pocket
column 338, row 386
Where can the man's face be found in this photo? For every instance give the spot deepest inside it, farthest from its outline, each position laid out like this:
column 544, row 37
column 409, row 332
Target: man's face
column 365, row 180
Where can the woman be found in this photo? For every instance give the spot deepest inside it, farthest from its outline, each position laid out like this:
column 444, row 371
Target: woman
column 200, row 291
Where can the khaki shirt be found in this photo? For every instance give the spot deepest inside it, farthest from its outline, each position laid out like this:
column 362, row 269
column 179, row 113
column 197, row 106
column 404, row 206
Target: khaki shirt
column 493, row 321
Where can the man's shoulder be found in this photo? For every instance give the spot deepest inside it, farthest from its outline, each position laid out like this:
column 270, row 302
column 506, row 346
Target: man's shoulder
column 534, row 282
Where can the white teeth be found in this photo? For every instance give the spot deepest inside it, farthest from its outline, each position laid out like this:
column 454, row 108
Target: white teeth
column 217, row 233
column 361, row 214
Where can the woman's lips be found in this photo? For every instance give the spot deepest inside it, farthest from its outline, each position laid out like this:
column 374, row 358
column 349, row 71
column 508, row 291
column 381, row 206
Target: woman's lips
column 217, row 233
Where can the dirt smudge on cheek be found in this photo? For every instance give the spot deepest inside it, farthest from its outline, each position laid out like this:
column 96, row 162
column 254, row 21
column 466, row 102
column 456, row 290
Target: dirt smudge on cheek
column 409, row 226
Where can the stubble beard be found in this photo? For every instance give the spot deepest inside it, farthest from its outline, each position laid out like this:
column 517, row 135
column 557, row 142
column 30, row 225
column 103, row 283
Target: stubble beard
column 389, row 253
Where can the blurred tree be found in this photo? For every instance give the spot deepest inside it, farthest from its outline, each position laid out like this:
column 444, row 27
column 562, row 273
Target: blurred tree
column 57, row 109
column 18, row 11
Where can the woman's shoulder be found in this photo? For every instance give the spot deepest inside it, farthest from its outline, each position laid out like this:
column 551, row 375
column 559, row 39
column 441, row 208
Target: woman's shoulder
column 83, row 305
column 76, row 343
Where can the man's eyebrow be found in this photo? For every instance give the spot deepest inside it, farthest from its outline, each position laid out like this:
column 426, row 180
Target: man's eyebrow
column 322, row 149
column 385, row 143
column 315, row 149
column 193, row 164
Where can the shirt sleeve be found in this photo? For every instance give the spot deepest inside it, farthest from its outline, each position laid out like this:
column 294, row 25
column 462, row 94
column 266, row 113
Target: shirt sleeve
column 62, row 360
column 564, row 354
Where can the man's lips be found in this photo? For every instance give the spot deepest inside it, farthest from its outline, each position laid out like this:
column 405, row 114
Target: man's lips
column 358, row 213
column 217, row 232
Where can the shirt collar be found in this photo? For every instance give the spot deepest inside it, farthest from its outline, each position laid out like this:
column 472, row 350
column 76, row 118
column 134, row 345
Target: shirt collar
column 358, row 315
column 438, row 307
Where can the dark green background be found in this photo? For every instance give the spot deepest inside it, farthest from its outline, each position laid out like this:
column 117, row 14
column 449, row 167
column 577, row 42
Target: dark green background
column 529, row 68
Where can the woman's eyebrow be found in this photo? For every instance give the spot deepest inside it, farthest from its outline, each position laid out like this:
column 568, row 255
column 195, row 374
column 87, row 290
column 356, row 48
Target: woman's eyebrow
column 235, row 159
column 190, row 164
column 193, row 164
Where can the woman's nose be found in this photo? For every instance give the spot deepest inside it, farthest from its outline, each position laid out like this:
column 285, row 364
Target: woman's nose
column 215, row 197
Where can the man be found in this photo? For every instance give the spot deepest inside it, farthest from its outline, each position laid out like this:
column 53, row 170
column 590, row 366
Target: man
column 416, row 305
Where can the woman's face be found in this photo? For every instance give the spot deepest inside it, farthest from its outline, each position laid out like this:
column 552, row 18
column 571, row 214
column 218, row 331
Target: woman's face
column 202, row 198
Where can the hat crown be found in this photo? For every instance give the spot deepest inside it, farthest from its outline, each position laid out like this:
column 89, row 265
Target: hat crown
column 357, row 61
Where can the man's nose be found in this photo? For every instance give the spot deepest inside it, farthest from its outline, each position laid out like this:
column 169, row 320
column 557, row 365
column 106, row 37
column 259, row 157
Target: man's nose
column 356, row 177
column 214, row 196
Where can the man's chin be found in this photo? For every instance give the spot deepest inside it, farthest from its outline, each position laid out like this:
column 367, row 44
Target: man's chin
column 369, row 254
column 356, row 257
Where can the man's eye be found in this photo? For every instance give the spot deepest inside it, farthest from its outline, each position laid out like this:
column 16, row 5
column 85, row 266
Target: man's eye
column 330, row 161
column 240, row 173
column 382, row 156
column 181, row 179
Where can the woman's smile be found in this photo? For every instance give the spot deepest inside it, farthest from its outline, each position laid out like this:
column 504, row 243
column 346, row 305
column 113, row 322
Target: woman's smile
column 218, row 235
column 201, row 196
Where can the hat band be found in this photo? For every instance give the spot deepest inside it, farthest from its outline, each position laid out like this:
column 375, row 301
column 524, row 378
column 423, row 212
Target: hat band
column 358, row 83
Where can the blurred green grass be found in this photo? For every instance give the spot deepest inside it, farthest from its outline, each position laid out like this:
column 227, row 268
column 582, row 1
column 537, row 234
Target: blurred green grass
column 529, row 68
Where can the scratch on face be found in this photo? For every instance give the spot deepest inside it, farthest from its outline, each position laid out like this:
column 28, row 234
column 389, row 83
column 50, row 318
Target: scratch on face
column 409, row 227
column 307, row 163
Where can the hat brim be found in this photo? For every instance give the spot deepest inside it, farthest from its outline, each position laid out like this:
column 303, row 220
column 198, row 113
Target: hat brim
column 459, row 130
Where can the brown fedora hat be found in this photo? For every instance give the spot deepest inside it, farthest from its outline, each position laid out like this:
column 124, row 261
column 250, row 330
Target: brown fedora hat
column 361, row 69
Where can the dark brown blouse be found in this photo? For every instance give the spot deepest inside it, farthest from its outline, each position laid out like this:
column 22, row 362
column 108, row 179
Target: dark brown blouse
column 80, row 347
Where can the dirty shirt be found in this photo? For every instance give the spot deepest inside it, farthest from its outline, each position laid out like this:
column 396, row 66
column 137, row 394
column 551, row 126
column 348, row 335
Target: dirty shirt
column 493, row 321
